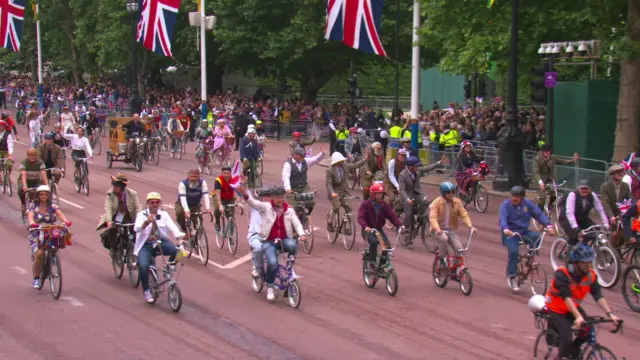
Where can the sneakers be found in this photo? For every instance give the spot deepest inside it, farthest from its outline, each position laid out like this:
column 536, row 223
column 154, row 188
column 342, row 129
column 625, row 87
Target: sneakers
column 255, row 272
column 271, row 294
column 36, row 283
column 512, row 281
column 148, row 297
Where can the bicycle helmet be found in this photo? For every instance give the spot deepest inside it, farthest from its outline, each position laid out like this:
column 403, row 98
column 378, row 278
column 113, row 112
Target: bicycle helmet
column 277, row 191
column 32, row 152
column 50, row 136
column 296, row 135
column 582, row 253
column 412, row 160
column 446, row 187
column 537, row 303
column 258, row 122
column 375, row 188
column 264, row 192
column 518, row 191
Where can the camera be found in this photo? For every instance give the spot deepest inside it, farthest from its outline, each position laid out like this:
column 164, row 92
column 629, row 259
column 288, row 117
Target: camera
column 157, row 216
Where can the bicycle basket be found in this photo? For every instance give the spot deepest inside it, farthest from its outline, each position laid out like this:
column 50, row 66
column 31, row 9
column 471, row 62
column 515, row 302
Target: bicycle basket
column 304, row 197
column 541, row 320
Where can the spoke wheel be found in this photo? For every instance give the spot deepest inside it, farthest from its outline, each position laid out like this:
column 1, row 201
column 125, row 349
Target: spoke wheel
column 333, row 221
column 55, row 276
column 538, row 280
column 559, row 252
column 607, row 266
column 631, row 287
column 440, row 278
column 232, row 236
column 85, row 183
column 203, row 246
column 481, row 199
column 260, row 167
column 466, row 282
column 559, row 230
column 257, row 283
column 307, row 245
column 294, row 294
column 97, row 146
column 109, row 162
column 153, row 286
column 117, row 262
column 349, row 240
column 536, row 225
column 221, row 236
column 134, row 279
column 351, row 179
column 368, row 274
column 392, row 282
column 428, row 241
column 138, row 161
column 175, row 298
column 546, row 345
column 54, row 194
column 156, row 154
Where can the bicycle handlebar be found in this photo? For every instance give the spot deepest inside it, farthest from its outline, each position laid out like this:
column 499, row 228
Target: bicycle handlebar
column 594, row 320
column 123, row 224
column 595, row 229
column 554, row 185
column 468, row 242
column 540, row 239
column 49, row 227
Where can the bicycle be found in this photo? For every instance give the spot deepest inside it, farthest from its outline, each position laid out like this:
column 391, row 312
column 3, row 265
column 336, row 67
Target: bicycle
column 254, row 180
column 30, row 196
column 228, row 228
column 384, row 269
column 223, row 154
column 51, row 267
column 456, row 269
column 126, row 239
column 477, row 193
column 607, row 256
column 259, row 163
column 286, row 279
column 81, row 180
column 154, row 150
column 528, row 267
column 53, row 194
column 170, row 273
column 345, row 227
column 199, row 239
column 179, row 145
column 205, row 162
column 96, row 143
column 553, row 214
column 6, row 177
column 420, row 225
column 589, row 350
column 64, row 160
column 354, row 177
column 626, row 250
column 305, row 218
column 631, row 287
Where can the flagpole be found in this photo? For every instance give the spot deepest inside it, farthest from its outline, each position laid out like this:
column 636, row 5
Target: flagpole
column 415, row 76
column 40, row 86
column 203, row 60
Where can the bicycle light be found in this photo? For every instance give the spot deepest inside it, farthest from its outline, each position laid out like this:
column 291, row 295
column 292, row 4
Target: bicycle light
column 602, row 239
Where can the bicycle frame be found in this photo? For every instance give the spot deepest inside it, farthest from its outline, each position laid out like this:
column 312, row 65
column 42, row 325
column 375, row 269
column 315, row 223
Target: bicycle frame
column 456, row 260
column 172, row 278
column 383, row 247
column 530, row 253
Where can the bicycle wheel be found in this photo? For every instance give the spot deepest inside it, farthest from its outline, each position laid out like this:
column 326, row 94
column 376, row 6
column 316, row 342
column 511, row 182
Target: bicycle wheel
column 559, row 252
column 556, row 222
column 351, row 179
column 538, row 280
column 481, row 199
column 369, row 275
column 608, row 266
column 97, row 146
column 599, row 352
column 546, row 345
column 536, row 225
column 77, row 182
column 175, row 298
column 260, row 167
column 428, row 241
column 391, row 282
column 25, row 220
column 294, row 294
column 109, row 162
column 465, row 276
column 307, row 245
column 218, row 156
column 132, row 271
column 137, row 162
column 85, row 182
column 221, row 235
column 439, row 277
column 54, row 194
column 349, row 239
column 203, row 245
column 332, row 221
column 181, row 149
column 153, row 285
column 631, row 287
column 55, row 275
column 232, row 236
column 156, row 154
column 117, row 262
column 635, row 257
column 257, row 283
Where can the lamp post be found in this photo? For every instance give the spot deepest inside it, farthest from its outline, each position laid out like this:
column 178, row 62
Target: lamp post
column 511, row 137
column 133, row 7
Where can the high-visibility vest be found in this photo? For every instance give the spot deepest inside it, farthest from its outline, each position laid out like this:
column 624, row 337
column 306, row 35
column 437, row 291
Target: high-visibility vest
column 395, row 132
column 579, row 291
column 448, row 139
column 342, row 135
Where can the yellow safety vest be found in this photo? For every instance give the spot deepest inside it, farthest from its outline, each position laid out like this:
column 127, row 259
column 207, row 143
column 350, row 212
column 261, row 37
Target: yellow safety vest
column 395, row 132
column 342, row 135
column 449, row 139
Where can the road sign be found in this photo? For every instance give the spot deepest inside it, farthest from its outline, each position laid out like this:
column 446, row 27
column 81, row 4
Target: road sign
column 550, row 79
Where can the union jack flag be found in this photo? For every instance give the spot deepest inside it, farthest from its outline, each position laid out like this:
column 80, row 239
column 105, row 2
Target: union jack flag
column 356, row 23
column 626, row 163
column 624, row 205
column 235, row 174
column 11, row 20
column 308, row 153
column 155, row 27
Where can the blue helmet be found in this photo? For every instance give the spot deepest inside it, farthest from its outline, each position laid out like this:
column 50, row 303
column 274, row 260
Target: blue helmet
column 412, row 160
column 582, row 253
column 446, row 187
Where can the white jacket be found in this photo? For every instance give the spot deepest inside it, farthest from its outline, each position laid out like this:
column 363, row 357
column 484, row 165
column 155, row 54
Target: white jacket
column 291, row 221
column 166, row 228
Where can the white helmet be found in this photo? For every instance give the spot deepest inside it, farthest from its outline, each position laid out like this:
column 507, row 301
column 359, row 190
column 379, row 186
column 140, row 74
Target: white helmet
column 536, row 303
column 336, row 157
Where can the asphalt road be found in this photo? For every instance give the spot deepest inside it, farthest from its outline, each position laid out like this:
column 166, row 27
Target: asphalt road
column 101, row 317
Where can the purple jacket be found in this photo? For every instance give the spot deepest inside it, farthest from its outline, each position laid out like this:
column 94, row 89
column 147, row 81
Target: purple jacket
column 367, row 216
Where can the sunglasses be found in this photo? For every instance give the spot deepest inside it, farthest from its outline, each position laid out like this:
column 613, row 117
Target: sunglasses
column 154, row 202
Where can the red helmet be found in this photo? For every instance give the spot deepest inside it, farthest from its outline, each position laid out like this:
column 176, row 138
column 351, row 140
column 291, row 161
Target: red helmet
column 296, row 134
column 3, row 124
column 376, row 188
column 353, row 130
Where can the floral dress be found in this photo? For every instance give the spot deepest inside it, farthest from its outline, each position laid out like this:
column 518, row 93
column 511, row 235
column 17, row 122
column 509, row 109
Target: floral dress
column 220, row 135
column 49, row 218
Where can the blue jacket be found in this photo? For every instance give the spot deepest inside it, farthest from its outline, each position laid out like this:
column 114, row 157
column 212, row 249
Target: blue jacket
column 248, row 148
column 518, row 218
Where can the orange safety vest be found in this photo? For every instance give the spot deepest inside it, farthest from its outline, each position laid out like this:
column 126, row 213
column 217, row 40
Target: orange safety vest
column 635, row 223
column 556, row 303
column 226, row 193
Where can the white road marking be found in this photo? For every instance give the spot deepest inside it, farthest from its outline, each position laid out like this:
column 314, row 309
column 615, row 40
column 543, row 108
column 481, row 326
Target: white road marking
column 168, row 205
column 72, row 204
column 73, row 301
column 237, row 262
column 20, row 142
column 209, row 261
column 20, row 270
column 315, row 228
column 531, row 337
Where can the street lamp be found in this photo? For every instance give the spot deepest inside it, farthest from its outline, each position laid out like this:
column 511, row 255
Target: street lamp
column 133, row 7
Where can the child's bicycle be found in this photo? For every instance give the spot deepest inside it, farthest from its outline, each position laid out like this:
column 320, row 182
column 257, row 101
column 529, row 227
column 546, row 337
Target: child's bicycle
column 528, row 267
column 170, row 273
column 384, row 268
column 286, row 279
column 456, row 269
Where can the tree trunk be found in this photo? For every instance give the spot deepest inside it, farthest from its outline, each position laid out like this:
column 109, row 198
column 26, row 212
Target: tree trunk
column 627, row 127
column 142, row 75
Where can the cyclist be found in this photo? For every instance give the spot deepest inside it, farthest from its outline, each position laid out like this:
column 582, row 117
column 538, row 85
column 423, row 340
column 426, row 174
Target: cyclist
column 405, row 143
column 515, row 217
column 153, row 224
column 42, row 212
column 464, row 166
column 278, row 221
column 544, row 172
column 185, row 121
column 443, row 216
column 336, row 182
column 575, row 208
column 221, row 132
column 353, row 145
column 253, row 234
column 51, row 156
column 80, row 148
column 223, row 195
column 173, row 126
column 294, row 175
column 135, row 128
column 121, row 206
column 613, row 192
column 373, row 214
column 67, row 120
column 299, row 142
column 341, row 137
column 35, row 128
column 249, row 153
column 191, row 193
column 59, row 138
column 91, row 123
column 375, row 166
column 632, row 178
column 395, row 167
column 32, row 174
column 10, row 124
column 6, row 145
column 569, row 287
column 410, row 190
